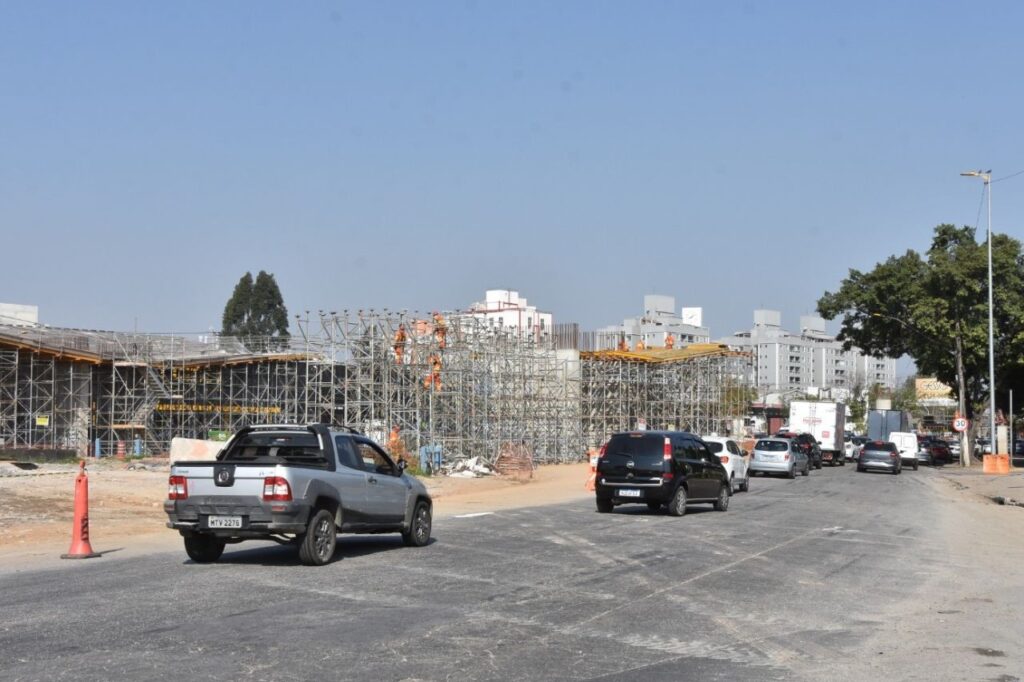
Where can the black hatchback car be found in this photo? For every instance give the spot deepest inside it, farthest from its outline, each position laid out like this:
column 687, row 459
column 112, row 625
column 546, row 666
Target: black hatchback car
column 660, row 469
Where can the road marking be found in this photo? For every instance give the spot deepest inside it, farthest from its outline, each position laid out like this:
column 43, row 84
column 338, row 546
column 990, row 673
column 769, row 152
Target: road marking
column 473, row 515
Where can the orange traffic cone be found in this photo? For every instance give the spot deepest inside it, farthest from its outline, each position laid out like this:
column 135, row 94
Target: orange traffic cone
column 80, row 547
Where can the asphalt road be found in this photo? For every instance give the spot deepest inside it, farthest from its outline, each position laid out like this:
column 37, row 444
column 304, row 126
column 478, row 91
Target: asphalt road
column 806, row 579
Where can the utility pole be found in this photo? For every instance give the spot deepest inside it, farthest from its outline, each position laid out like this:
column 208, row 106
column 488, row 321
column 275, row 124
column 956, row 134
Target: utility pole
column 986, row 177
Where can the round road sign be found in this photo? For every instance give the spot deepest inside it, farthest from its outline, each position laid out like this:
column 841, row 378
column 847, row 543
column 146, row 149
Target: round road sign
column 960, row 424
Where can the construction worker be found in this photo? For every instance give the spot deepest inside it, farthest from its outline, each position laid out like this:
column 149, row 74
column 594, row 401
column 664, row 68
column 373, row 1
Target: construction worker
column 440, row 329
column 670, row 341
column 640, row 345
column 433, row 380
column 395, row 445
column 399, row 344
column 622, row 344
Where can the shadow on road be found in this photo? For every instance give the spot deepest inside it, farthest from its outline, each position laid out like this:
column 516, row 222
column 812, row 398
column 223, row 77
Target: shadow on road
column 349, row 547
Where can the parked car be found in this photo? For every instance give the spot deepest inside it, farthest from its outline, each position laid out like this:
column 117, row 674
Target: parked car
column 857, row 443
column 806, row 441
column 660, row 469
column 880, row 454
column 934, row 451
column 304, row 484
column 779, row 456
column 733, row 458
column 982, row 446
column 1018, row 453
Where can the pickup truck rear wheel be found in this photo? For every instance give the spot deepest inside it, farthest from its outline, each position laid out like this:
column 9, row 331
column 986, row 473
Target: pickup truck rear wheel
column 203, row 549
column 318, row 543
column 418, row 534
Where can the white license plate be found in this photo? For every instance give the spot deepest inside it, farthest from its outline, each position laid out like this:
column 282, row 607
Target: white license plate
column 628, row 492
column 224, row 522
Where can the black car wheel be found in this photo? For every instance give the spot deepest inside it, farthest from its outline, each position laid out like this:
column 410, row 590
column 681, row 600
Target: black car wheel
column 317, row 546
column 915, row 466
column 604, row 505
column 807, row 470
column 817, row 465
column 418, row 534
column 677, row 506
column 722, row 503
column 203, row 549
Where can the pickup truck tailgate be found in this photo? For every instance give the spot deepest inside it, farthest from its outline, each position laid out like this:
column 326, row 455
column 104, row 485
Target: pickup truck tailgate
column 231, row 496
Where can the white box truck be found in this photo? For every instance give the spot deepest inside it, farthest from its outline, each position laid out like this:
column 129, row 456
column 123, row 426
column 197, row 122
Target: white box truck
column 824, row 420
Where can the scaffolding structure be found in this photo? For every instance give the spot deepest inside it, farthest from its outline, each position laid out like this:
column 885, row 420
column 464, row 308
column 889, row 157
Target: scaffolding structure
column 700, row 388
column 461, row 384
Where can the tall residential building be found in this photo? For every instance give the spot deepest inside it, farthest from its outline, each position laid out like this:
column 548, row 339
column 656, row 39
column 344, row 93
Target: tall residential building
column 657, row 322
column 807, row 362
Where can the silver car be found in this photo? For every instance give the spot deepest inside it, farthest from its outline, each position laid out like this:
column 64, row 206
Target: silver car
column 779, row 456
column 880, row 454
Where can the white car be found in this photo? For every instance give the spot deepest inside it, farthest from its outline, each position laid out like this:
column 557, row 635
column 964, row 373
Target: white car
column 732, row 457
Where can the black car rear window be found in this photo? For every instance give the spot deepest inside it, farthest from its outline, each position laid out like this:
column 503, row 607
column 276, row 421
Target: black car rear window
column 772, row 445
column 646, row 450
column 275, row 448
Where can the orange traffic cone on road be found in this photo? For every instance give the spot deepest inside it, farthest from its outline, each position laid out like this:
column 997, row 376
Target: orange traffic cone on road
column 80, row 547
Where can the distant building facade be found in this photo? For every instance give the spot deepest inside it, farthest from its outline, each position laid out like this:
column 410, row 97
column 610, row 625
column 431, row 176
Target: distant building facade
column 810, row 361
column 17, row 314
column 653, row 327
column 509, row 310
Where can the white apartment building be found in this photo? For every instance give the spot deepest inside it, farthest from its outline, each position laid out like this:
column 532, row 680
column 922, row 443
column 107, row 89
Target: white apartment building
column 658, row 321
column 809, row 362
column 509, row 310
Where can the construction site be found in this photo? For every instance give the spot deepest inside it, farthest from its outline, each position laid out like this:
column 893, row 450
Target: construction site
column 458, row 383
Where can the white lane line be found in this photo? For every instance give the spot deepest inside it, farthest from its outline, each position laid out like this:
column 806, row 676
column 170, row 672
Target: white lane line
column 473, row 515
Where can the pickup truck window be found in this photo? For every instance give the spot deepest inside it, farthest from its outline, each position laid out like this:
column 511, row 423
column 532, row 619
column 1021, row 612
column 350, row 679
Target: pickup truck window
column 373, row 459
column 272, row 448
column 346, row 453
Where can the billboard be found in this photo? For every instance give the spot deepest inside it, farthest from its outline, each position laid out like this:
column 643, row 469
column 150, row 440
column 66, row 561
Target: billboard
column 931, row 389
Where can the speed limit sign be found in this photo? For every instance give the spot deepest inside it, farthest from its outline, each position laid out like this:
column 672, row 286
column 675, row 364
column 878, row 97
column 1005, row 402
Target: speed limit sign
column 960, row 424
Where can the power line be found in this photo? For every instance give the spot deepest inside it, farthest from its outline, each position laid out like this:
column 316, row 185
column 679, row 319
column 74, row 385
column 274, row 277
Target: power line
column 1007, row 177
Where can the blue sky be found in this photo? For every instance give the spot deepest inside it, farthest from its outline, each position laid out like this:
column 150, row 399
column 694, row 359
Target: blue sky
column 412, row 155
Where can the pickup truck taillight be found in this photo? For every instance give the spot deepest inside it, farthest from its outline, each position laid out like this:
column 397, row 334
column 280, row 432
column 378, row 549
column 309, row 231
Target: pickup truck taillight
column 177, row 488
column 276, row 489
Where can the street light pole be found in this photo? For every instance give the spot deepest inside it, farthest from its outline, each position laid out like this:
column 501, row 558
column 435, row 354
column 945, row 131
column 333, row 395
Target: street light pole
column 986, row 177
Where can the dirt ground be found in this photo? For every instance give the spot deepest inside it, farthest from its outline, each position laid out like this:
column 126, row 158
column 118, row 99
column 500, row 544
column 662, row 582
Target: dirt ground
column 126, row 504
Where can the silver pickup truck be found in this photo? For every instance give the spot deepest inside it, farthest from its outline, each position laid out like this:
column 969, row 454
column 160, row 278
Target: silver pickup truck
column 296, row 485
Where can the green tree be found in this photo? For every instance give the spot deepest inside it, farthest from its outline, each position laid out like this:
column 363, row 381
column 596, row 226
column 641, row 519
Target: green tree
column 256, row 313
column 935, row 309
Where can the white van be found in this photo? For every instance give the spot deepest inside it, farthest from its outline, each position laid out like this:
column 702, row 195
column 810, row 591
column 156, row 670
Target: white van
column 908, row 446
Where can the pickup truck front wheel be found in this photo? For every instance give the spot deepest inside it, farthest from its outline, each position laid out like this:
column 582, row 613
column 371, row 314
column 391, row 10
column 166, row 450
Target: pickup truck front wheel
column 317, row 545
column 418, row 534
column 203, row 549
